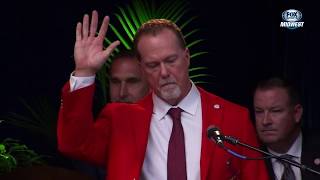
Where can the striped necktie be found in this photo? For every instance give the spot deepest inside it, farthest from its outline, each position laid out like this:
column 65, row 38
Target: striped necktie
column 288, row 173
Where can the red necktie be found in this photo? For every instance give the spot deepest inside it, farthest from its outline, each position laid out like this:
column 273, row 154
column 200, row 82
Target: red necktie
column 176, row 151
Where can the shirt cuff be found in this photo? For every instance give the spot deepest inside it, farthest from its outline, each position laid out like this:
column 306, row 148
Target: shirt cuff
column 80, row 82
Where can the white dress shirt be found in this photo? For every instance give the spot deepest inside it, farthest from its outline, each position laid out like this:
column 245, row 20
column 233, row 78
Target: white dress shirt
column 155, row 162
column 295, row 150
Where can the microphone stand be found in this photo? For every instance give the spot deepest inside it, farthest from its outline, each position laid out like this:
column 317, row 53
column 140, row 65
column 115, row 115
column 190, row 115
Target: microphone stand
column 235, row 141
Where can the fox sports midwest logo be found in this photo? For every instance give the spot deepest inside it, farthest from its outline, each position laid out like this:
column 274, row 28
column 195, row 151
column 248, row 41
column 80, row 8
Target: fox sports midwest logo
column 291, row 19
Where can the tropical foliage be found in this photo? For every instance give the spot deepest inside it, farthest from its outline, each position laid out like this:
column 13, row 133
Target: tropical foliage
column 40, row 117
column 14, row 154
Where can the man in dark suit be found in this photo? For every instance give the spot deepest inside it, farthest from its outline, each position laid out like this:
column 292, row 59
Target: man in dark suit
column 278, row 113
column 163, row 136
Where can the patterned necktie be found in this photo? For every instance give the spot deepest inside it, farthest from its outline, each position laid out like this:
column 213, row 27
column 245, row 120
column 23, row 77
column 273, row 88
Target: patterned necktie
column 288, row 173
column 176, row 166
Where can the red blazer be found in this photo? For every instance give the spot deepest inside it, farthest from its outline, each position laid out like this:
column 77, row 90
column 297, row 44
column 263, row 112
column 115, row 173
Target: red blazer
column 118, row 138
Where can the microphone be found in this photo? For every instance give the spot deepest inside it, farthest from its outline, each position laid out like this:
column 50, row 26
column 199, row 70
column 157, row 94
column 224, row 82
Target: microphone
column 214, row 133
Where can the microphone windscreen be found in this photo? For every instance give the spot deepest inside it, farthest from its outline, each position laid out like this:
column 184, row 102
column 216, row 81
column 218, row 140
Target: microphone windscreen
column 212, row 131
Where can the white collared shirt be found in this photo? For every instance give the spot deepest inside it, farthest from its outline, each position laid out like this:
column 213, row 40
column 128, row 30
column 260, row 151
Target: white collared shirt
column 295, row 150
column 155, row 162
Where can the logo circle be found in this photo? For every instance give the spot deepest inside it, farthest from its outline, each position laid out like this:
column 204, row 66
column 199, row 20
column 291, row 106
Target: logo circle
column 291, row 15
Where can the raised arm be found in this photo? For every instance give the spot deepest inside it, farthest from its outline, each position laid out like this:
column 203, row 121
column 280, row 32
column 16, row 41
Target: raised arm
column 79, row 136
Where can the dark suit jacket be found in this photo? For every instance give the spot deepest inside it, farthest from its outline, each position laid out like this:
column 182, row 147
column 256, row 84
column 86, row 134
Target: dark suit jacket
column 310, row 152
column 118, row 139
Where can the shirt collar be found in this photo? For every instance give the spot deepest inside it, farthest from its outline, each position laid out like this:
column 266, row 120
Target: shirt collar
column 295, row 149
column 188, row 104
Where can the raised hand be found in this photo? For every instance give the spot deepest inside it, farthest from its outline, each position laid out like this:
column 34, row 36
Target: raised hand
column 89, row 55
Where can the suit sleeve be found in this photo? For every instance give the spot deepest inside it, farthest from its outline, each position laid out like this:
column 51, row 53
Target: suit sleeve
column 79, row 136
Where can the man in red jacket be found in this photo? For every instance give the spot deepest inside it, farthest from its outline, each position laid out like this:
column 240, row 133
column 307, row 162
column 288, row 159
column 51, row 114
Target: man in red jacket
column 127, row 83
column 145, row 140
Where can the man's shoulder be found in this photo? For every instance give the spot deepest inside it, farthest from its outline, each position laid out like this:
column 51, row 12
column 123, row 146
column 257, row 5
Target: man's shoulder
column 311, row 139
column 311, row 152
column 143, row 105
column 118, row 106
column 211, row 98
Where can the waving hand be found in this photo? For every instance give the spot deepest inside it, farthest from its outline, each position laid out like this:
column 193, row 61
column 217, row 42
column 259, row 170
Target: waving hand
column 89, row 54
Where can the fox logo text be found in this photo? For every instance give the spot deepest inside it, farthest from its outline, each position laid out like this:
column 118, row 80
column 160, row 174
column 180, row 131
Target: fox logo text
column 291, row 19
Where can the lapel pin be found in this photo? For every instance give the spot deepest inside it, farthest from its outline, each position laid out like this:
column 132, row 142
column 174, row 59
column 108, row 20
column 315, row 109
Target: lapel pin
column 317, row 161
column 216, row 106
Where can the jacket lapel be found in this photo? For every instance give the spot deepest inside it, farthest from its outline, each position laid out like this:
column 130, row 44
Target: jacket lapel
column 141, row 130
column 310, row 155
column 211, row 115
column 269, row 166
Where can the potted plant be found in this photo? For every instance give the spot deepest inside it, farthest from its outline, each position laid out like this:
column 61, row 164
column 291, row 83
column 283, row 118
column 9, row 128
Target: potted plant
column 14, row 154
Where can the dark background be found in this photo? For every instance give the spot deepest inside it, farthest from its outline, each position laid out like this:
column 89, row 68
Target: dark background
column 244, row 41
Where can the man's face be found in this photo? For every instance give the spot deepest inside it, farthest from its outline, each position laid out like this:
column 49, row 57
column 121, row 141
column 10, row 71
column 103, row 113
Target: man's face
column 276, row 119
column 127, row 82
column 166, row 65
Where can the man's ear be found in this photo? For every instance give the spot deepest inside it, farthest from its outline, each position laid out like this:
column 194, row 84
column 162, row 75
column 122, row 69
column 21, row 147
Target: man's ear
column 298, row 110
column 187, row 56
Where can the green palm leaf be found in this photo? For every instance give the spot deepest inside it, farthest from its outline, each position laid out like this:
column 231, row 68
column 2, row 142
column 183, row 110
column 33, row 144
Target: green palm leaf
column 188, row 22
column 197, row 68
column 190, row 33
column 197, row 54
column 199, row 75
column 141, row 12
column 128, row 22
column 201, row 82
column 178, row 15
column 194, row 43
column 133, row 17
column 125, row 27
column 122, row 40
column 172, row 8
column 163, row 7
column 40, row 118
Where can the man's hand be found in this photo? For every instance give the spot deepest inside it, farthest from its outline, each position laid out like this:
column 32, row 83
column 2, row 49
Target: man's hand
column 89, row 54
